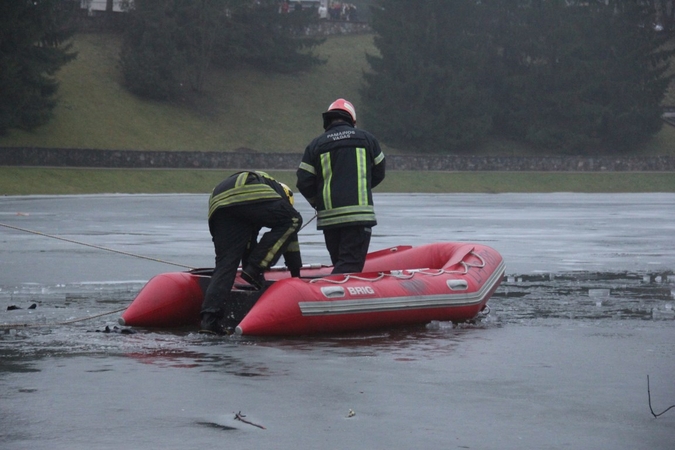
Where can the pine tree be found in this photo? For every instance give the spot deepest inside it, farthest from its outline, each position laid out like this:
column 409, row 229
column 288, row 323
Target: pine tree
column 579, row 76
column 152, row 64
column 561, row 74
column 169, row 45
column 33, row 47
column 429, row 88
column 637, row 76
column 258, row 35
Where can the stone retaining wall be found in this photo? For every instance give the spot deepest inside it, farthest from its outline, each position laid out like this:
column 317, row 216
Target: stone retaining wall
column 64, row 157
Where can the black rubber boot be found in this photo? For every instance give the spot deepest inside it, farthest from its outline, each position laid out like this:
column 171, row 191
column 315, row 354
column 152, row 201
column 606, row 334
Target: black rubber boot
column 211, row 325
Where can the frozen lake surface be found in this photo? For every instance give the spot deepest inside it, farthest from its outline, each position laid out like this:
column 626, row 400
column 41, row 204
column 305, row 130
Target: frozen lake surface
column 584, row 315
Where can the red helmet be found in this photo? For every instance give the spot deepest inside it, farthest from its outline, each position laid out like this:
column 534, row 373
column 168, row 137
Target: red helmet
column 339, row 109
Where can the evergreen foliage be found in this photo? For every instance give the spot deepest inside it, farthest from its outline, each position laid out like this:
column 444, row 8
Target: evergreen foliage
column 261, row 37
column 33, row 47
column 152, row 65
column 572, row 76
column 428, row 88
column 579, row 76
column 198, row 24
column 169, row 45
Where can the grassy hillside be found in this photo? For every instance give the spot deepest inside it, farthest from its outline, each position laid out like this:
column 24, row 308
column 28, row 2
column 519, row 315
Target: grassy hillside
column 245, row 109
column 239, row 109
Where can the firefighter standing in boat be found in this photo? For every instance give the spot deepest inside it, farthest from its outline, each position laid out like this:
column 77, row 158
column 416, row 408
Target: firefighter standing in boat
column 239, row 207
column 336, row 176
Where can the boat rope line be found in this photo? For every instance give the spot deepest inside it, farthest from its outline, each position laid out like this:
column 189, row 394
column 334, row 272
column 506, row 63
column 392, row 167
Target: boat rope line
column 391, row 304
column 96, row 246
column 11, row 326
column 649, row 396
column 399, row 274
column 309, row 221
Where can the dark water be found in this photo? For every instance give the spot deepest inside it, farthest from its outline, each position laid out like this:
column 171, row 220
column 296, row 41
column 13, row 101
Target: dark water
column 584, row 314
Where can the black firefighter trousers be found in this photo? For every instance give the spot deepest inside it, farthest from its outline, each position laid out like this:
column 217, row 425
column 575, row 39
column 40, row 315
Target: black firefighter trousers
column 348, row 247
column 233, row 229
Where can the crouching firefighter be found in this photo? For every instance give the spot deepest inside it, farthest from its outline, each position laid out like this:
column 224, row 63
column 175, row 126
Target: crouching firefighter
column 239, row 207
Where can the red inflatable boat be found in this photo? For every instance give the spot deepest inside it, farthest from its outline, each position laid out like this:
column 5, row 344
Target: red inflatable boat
column 399, row 286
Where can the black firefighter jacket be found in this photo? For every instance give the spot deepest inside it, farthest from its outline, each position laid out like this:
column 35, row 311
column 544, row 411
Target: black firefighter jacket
column 337, row 174
column 252, row 187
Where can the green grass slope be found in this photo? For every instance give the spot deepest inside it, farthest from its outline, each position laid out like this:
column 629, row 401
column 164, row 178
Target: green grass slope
column 245, row 110
column 238, row 109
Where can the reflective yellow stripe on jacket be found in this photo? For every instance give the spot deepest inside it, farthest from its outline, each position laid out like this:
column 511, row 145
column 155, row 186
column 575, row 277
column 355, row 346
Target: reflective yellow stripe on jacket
column 345, row 215
column 308, row 167
column 362, row 175
column 242, row 194
column 327, row 173
column 362, row 212
column 274, row 250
